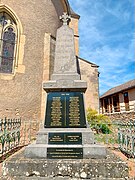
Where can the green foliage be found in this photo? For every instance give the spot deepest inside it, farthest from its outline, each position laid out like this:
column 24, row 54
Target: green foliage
column 98, row 122
column 106, row 138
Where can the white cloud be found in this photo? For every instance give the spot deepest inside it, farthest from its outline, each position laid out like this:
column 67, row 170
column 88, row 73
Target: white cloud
column 106, row 38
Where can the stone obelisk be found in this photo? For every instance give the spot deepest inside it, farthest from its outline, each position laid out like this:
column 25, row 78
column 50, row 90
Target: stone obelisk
column 65, row 75
column 65, row 134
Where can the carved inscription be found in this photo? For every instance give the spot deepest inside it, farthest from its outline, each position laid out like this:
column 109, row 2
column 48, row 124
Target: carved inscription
column 65, row 51
column 65, row 153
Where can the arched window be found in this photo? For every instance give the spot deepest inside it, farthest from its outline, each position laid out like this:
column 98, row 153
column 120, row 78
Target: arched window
column 8, row 39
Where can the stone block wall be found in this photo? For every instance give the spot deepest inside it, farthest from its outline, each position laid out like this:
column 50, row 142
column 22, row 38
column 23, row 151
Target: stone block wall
column 122, row 117
column 20, row 93
column 89, row 73
column 74, row 25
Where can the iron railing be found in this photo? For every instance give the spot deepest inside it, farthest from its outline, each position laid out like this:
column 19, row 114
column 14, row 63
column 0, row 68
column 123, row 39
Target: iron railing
column 116, row 135
column 126, row 138
column 9, row 134
column 13, row 133
column 29, row 131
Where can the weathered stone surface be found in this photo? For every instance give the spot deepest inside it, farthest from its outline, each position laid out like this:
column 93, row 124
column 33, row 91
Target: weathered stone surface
column 65, row 74
column 87, row 134
column 89, row 151
column 89, row 74
column 99, row 169
column 57, row 178
column 65, row 60
column 65, row 78
column 78, row 85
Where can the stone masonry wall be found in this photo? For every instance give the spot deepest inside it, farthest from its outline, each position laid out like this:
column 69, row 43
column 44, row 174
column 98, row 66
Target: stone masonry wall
column 90, row 75
column 122, row 117
column 21, row 95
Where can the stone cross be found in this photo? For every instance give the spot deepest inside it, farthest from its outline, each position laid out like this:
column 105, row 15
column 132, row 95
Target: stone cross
column 65, row 18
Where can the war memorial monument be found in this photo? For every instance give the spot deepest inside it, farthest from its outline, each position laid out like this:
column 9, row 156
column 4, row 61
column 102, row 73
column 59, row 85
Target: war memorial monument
column 65, row 134
column 65, row 146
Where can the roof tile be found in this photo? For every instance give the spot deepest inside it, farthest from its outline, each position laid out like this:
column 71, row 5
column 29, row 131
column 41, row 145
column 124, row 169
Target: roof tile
column 122, row 87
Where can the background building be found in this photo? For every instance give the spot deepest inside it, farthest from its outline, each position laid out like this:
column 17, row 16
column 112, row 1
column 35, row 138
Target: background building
column 119, row 100
column 28, row 36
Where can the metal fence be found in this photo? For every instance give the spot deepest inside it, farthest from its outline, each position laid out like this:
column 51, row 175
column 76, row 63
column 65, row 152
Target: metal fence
column 126, row 138
column 116, row 135
column 9, row 134
column 29, row 131
column 15, row 133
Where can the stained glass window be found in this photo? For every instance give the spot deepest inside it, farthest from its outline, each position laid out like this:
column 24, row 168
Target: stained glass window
column 7, row 43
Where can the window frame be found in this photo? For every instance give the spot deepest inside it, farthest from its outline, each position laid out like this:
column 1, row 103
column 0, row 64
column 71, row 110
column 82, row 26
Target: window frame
column 8, row 22
column 20, row 44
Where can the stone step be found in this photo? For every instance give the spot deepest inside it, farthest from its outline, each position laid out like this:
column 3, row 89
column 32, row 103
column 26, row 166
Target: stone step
column 56, row 178
column 111, row 167
column 89, row 150
column 87, row 134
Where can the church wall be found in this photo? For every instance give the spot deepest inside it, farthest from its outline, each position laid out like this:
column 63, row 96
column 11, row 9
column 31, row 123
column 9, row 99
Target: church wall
column 52, row 55
column 74, row 25
column 20, row 94
column 90, row 75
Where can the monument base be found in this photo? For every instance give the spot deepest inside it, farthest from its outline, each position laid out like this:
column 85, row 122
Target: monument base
column 65, row 151
column 65, row 143
column 19, row 167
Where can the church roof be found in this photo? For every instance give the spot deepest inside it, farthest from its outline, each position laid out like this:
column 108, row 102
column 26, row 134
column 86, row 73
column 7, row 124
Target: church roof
column 128, row 85
column 70, row 10
column 73, row 14
column 92, row 64
column 64, row 6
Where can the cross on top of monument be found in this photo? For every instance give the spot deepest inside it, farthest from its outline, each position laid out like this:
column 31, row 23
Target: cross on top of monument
column 65, row 18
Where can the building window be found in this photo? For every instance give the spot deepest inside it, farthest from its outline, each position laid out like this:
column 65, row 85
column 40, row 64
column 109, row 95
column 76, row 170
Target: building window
column 110, row 104
column 116, row 104
column 8, row 39
column 106, row 105
column 126, row 101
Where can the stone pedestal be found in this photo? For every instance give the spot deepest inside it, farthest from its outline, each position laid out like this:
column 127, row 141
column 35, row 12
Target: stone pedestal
column 18, row 167
column 84, row 148
column 65, row 134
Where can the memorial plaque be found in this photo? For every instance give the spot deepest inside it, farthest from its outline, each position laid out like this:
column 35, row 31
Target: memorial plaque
column 65, row 153
column 65, row 109
column 65, row 138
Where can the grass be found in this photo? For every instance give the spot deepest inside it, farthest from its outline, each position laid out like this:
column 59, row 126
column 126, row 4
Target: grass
column 106, row 138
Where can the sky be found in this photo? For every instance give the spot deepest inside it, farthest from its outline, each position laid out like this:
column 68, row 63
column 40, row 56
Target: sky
column 106, row 30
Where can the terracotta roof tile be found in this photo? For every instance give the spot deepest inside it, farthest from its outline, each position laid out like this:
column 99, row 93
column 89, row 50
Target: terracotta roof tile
column 122, row 87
